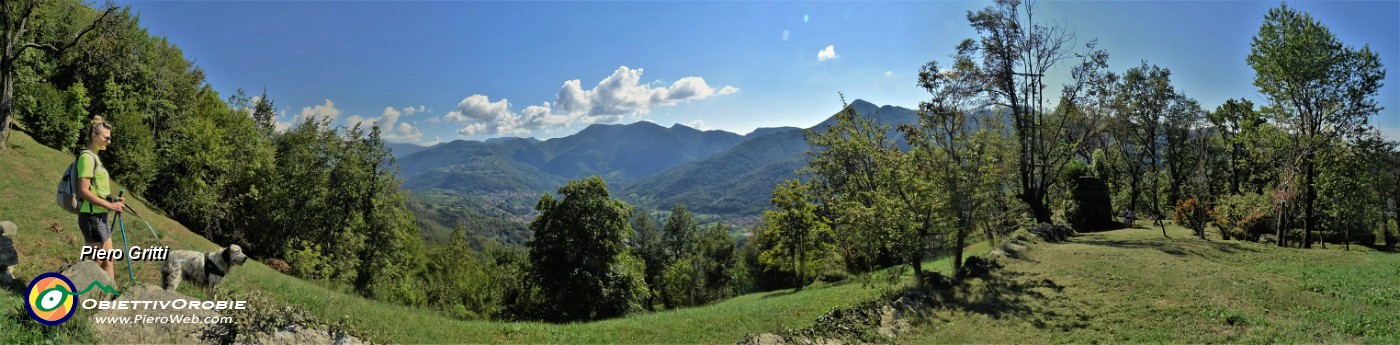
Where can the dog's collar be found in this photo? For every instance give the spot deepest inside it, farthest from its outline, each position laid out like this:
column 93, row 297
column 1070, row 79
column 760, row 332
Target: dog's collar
column 211, row 268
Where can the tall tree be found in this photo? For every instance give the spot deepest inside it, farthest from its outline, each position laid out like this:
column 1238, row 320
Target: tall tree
column 648, row 247
column 1230, row 120
column 1319, row 88
column 579, row 240
column 264, row 113
column 678, row 235
column 15, row 18
column 950, row 145
column 880, row 205
column 1143, row 96
column 1182, row 152
column 1015, row 53
column 797, row 225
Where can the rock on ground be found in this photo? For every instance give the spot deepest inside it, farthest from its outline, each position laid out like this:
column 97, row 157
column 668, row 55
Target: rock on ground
column 152, row 332
column 83, row 273
column 301, row 334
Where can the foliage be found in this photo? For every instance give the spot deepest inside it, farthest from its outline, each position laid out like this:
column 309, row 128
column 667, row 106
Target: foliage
column 56, row 118
column 1243, row 216
column 1193, row 215
column 1015, row 53
column 797, row 230
column 1319, row 88
column 576, row 253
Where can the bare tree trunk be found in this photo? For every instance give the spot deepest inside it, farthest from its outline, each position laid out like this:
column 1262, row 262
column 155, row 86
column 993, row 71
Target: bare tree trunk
column 1309, row 198
column 7, row 100
column 1282, row 223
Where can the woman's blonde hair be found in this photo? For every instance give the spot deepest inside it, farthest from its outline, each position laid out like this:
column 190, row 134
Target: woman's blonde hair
column 97, row 121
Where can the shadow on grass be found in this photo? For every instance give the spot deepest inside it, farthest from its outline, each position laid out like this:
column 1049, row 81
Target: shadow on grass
column 999, row 294
column 1178, row 247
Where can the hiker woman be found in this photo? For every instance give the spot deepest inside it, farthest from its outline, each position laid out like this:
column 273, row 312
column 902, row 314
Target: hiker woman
column 95, row 188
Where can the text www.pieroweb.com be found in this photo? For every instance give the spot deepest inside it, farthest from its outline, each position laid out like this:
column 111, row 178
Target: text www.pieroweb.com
column 154, row 319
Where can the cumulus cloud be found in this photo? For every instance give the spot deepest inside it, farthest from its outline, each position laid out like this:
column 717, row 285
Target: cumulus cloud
column 697, row 124
column 889, row 73
column 408, row 111
column 325, row 113
column 618, row 95
column 785, row 35
column 827, row 54
column 389, row 125
column 403, row 133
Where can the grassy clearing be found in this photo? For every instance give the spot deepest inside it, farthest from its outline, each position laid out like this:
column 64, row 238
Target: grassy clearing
column 1135, row 286
column 49, row 238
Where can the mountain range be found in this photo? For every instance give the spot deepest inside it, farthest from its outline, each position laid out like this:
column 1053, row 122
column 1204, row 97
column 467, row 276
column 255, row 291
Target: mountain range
column 648, row 165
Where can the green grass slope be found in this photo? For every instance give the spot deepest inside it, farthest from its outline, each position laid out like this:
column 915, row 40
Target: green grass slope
column 1133, row 286
column 48, row 238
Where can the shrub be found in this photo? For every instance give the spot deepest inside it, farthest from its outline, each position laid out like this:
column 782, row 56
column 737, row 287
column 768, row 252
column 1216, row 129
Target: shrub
column 1193, row 215
column 1052, row 232
column 279, row 266
column 1246, row 216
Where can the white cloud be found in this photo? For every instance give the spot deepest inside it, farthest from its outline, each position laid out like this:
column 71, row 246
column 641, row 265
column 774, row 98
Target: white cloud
column 827, row 54
column 889, row 73
column 697, row 124
column 409, row 111
column 325, row 113
column 479, row 107
column 403, row 133
column 389, row 125
column 615, row 97
column 785, row 35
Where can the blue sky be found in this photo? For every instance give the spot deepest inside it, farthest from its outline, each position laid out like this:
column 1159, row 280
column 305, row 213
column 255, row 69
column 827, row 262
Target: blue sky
column 442, row 71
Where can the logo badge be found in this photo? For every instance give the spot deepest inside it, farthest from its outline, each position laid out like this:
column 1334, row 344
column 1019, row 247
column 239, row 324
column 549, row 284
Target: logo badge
column 50, row 299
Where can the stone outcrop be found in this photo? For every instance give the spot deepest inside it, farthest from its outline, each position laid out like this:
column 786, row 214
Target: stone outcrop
column 154, row 331
column 8, row 256
column 83, row 273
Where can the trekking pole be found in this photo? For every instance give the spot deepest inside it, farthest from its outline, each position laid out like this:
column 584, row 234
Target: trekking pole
column 128, row 209
column 129, row 272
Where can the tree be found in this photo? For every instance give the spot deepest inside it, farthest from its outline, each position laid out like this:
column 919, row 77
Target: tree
column 648, row 247
column 1318, row 87
column 1143, row 97
column 1016, row 52
column 1183, row 154
column 1231, row 120
column 951, row 147
column 797, row 227
column 14, row 19
column 578, row 250
column 678, row 235
column 264, row 113
column 881, row 206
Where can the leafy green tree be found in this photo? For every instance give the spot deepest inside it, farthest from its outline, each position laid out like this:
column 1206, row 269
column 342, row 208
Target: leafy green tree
column 715, row 261
column 1015, row 53
column 15, row 17
column 1143, row 97
column 1183, row 153
column 678, row 235
column 1318, row 87
column 578, row 244
column 796, row 226
column 134, row 157
column 648, row 247
column 1231, row 119
column 852, row 169
column 950, row 144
